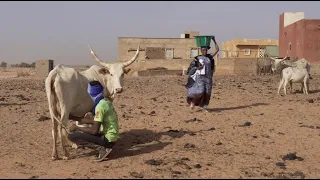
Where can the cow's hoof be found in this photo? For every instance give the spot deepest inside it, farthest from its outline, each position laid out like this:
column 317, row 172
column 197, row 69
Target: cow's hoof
column 53, row 158
column 65, row 158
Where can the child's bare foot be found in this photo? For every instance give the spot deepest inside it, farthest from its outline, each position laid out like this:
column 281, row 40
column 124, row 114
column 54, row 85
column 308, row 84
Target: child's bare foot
column 205, row 109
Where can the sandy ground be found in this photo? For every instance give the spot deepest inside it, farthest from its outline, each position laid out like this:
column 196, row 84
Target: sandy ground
column 162, row 138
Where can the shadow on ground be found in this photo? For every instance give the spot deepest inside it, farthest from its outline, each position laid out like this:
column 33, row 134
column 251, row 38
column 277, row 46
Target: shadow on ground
column 12, row 104
column 139, row 141
column 314, row 91
column 237, row 107
column 142, row 141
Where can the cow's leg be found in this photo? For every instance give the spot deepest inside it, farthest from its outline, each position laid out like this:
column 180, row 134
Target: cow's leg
column 302, row 88
column 285, row 86
column 64, row 136
column 64, row 101
column 63, row 133
column 280, row 84
column 54, row 155
column 291, row 90
column 66, row 140
column 306, row 86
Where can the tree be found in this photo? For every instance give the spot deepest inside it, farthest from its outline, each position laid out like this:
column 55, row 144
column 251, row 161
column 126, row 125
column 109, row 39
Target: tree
column 3, row 64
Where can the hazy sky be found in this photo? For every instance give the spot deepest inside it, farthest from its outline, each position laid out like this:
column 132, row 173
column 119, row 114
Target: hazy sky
column 62, row 30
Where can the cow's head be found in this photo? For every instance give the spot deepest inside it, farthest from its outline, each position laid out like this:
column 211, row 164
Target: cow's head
column 114, row 72
column 276, row 63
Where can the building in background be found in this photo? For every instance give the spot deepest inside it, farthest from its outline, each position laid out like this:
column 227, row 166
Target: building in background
column 299, row 36
column 159, row 48
column 249, row 48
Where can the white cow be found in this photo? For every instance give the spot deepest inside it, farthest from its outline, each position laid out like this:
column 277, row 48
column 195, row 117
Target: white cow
column 297, row 74
column 279, row 64
column 301, row 63
column 67, row 93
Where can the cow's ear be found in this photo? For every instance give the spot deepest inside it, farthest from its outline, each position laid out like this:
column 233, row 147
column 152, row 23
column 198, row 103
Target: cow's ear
column 126, row 70
column 104, row 71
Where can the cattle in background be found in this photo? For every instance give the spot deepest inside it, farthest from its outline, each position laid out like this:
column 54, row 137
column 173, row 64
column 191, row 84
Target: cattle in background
column 263, row 66
column 278, row 64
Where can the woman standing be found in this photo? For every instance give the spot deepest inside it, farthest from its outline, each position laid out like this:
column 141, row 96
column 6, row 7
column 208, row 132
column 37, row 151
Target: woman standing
column 200, row 74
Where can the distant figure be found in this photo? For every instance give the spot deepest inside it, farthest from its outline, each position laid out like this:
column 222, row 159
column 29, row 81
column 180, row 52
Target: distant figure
column 104, row 131
column 200, row 72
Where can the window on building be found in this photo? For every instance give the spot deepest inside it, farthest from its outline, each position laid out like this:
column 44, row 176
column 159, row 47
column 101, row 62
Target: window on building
column 194, row 52
column 290, row 46
column 247, row 52
column 169, row 53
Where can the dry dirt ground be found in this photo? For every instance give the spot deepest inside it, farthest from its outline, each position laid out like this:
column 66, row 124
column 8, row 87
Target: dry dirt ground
column 162, row 138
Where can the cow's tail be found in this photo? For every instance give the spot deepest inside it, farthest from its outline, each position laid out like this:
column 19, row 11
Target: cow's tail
column 52, row 97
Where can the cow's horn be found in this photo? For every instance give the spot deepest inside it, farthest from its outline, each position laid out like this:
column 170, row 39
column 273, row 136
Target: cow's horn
column 95, row 57
column 127, row 63
column 286, row 56
column 272, row 58
column 282, row 58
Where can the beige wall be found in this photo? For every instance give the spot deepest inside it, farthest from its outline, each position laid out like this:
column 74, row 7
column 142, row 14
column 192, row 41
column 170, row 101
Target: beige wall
column 236, row 66
column 192, row 33
column 43, row 67
column 182, row 47
column 252, row 48
column 231, row 48
column 176, row 64
column 224, row 66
